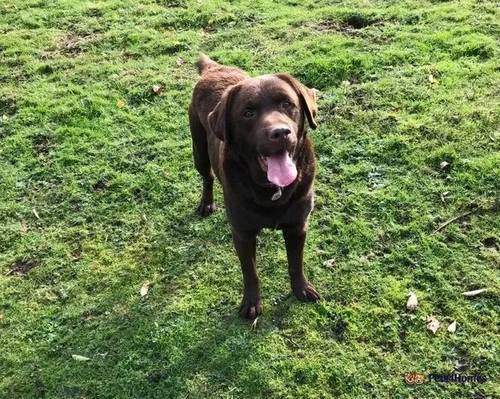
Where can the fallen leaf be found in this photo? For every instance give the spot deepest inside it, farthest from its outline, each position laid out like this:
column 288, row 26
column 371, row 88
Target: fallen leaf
column 460, row 364
column 433, row 324
column 180, row 62
column 444, row 196
column 35, row 213
column 475, row 292
column 80, row 358
column 157, row 89
column 330, row 263
column 444, row 165
column 120, row 103
column 145, row 288
column 452, row 327
column 5, row 117
column 412, row 302
column 23, row 228
column 432, row 79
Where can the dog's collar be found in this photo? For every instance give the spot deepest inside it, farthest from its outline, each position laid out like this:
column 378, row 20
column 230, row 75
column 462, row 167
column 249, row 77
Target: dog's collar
column 277, row 195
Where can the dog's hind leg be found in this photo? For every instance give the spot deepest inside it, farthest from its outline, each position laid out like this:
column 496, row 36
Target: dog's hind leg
column 202, row 163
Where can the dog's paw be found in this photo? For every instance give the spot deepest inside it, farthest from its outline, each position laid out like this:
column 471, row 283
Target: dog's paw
column 250, row 308
column 305, row 292
column 205, row 209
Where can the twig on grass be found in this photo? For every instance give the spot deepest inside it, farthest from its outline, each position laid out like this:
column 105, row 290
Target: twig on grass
column 454, row 219
column 475, row 292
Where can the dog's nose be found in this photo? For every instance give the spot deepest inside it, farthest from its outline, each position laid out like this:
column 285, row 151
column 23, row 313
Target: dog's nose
column 278, row 133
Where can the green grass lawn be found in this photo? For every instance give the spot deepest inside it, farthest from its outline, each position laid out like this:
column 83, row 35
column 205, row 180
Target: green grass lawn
column 98, row 196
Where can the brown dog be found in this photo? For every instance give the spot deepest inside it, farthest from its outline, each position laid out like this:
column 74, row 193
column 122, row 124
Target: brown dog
column 252, row 133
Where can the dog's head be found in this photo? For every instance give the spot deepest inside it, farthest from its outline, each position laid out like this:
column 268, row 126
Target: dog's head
column 263, row 119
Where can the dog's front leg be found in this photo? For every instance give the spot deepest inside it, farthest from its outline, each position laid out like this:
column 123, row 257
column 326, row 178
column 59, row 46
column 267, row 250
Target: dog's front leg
column 295, row 238
column 245, row 243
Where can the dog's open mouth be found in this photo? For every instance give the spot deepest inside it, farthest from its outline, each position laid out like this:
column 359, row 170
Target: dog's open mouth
column 280, row 168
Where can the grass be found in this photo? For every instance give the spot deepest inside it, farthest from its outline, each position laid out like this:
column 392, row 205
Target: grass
column 98, row 193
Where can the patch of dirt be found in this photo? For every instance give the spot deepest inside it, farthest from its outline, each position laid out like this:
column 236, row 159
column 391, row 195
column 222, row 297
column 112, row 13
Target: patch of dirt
column 491, row 243
column 21, row 267
column 347, row 25
column 353, row 26
column 42, row 144
column 328, row 25
column 7, row 106
column 101, row 184
column 360, row 21
column 73, row 44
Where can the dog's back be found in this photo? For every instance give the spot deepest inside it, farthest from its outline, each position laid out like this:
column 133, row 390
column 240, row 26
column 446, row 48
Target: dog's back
column 214, row 79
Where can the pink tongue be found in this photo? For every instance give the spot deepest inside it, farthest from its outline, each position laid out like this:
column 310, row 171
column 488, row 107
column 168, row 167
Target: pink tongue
column 281, row 170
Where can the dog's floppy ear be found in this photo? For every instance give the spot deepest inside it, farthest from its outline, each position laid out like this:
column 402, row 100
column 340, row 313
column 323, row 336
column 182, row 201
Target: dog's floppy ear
column 307, row 97
column 218, row 119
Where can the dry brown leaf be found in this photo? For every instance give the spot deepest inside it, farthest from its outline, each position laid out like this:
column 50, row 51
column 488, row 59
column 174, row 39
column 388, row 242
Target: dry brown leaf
column 145, row 288
column 412, row 302
column 443, row 165
column 452, row 327
column 23, row 228
column 475, row 292
column 433, row 324
column 444, row 196
column 157, row 89
column 120, row 103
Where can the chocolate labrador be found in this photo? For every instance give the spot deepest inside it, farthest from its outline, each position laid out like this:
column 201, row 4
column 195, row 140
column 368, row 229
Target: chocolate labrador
column 251, row 132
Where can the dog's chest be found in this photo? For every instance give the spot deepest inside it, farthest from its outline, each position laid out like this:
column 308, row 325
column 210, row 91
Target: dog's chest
column 251, row 217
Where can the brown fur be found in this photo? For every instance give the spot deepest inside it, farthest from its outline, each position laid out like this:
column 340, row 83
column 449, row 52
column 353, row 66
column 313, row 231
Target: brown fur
column 234, row 120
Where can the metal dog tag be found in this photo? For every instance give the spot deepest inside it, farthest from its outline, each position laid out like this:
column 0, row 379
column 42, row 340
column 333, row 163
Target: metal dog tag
column 276, row 195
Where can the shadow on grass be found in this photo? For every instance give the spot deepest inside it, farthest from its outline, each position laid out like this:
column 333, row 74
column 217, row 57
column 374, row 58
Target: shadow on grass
column 177, row 341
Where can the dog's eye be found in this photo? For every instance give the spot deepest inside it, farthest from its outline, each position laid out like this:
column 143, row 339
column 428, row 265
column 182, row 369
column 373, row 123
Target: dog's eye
column 249, row 113
column 286, row 104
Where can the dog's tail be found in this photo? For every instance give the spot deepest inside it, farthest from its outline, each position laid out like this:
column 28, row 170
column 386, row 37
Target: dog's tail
column 204, row 63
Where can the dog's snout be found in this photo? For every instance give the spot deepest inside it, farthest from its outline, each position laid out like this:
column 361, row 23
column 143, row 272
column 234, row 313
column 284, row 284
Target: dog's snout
column 278, row 133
